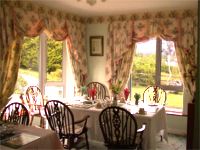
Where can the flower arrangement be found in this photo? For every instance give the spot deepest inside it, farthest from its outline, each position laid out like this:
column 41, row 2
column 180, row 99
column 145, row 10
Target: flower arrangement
column 116, row 88
column 83, row 90
column 126, row 93
column 92, row 93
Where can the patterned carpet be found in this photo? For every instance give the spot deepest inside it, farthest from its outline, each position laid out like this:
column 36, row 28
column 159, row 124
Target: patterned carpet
column 175, row 142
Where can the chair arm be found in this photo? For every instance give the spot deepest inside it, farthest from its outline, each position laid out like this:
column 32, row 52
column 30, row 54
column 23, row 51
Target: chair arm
column 142, row 128
column 82, row 120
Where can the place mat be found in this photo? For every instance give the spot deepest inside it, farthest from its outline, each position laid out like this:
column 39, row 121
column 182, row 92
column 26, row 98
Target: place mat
column 85, row 106
column 19, row 140
column 6, row 135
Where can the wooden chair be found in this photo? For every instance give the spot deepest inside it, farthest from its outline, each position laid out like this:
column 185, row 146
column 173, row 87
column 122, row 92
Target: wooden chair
column 119, row 128
column 61, row 120
column 154, row 95
column 15, row 113
column 35, row 102
column 100, row 89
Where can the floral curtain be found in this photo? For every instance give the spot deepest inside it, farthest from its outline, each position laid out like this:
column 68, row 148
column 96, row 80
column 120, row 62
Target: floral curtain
column 120, row 53
column 77, row 51
column 186, row 50
column 180, row 27
column 9, row 54
column 19, row 19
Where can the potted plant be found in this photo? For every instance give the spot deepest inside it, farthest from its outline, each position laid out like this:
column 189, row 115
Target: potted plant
column 137, row 97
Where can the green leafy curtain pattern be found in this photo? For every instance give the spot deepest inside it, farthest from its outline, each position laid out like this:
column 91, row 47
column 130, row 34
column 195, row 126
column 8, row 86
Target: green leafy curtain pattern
column 180, row 27
column 19, row 19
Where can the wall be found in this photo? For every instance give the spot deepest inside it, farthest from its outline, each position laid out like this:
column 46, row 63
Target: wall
column 96, row 64
column 177, row 124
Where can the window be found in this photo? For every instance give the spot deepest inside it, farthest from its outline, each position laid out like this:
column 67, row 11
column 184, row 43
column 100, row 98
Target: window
column 29, row 65
column 155, row 62
column 43, row 63
column 55, row 74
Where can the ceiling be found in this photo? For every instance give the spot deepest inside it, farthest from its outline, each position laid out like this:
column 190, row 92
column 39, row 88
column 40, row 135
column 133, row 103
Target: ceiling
column 116, row 7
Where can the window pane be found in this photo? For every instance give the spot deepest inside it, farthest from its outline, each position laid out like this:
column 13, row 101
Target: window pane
column 54, row 60
column 54, row 92
column 144, row 71
column 170, row 74
column 144, row 66
column 174, row 99
column 28, row 71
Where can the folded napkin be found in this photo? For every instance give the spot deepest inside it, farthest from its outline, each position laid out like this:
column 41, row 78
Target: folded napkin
column 92, row 93
column 126, row 93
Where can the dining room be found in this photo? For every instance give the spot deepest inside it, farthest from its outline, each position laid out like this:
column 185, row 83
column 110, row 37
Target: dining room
column 62, row 50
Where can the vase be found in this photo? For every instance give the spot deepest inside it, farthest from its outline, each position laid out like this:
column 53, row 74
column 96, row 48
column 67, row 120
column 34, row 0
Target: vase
column 136, row 101
column 114, row 100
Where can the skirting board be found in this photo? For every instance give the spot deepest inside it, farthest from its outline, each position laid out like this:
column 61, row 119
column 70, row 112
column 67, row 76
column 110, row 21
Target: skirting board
column 177, row 131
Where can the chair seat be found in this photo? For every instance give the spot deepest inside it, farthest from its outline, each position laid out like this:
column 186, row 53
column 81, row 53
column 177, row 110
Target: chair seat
column 35, row 112
column 78, row 129
column 15, row 113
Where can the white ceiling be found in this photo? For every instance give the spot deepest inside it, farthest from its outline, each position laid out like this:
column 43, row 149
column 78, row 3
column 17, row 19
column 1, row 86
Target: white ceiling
column 116, row 7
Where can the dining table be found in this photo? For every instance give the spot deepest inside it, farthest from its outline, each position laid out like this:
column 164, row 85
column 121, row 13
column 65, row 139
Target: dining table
column 154, row 118
column 29, row 137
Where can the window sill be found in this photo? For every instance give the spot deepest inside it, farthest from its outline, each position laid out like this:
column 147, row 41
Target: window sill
column 174, row 111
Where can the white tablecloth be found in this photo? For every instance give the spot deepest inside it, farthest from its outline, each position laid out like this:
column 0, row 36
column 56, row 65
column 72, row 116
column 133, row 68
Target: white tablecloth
column 155, row 122
column 47, row 139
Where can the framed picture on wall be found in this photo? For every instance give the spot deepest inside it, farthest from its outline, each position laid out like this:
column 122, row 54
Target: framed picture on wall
column 96, row 46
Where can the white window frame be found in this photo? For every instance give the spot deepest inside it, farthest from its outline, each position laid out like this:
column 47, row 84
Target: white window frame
column 42, row 67
column 158, row 69
column 158, row 74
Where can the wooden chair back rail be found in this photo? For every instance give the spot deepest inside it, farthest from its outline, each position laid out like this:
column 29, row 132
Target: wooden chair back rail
column 119, row 128
column 34, row 96
column 61, row 120
column 15, row 113
column 155, row 94
column 100, row 88
column 35, row 101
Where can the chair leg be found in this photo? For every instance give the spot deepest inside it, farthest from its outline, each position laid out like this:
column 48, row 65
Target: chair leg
column 161, row 138
column 42, row 124
column 161, row 135
column 70, row 143
column 86, row 138
column 31, row 122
